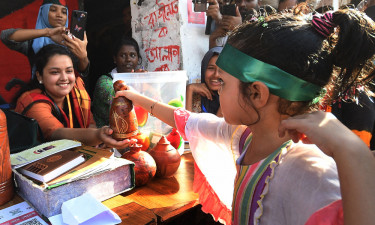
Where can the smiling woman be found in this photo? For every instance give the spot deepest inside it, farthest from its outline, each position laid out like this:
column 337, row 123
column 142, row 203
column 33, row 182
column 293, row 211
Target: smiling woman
column 58, row 78
column 204, row 97
column 126, row 57
column 57, row 99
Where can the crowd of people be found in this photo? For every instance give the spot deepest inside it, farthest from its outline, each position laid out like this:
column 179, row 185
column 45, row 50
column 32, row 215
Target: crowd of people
column 280, row 127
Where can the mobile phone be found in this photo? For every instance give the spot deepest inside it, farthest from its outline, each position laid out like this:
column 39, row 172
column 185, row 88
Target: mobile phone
column 78, row 24
column 229, row 9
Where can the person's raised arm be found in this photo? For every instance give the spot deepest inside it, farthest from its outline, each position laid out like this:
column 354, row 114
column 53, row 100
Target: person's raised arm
column 355, row 162
column 29, row 34
column 160, row 110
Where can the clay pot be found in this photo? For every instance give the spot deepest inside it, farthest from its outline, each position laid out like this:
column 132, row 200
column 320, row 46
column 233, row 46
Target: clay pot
column 166, row 157
column 145, row 166
column 6, row 182
column 122, row 117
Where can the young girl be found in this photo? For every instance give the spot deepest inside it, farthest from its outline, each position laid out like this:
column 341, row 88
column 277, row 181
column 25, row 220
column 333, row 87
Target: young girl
column 59, row 102
column 50, row 28
column 249, row 171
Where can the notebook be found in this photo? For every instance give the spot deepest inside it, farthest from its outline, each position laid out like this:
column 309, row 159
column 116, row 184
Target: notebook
column 52, row 166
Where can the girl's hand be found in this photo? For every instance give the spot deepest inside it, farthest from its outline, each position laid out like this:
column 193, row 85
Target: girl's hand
column 200, row 88
column 321, row 129
column 130, row 94
column 76, row 46
column 104, row 134
column 56, row 34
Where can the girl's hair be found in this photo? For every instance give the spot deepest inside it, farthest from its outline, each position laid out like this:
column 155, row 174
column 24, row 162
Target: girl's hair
column 292, row 44
column 126, row 41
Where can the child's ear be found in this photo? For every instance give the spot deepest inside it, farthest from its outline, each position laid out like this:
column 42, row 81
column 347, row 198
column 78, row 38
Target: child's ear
column 260, row 94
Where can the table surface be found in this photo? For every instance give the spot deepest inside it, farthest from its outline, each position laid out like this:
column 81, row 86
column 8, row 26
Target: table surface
column 165, row 197
column 157, row 201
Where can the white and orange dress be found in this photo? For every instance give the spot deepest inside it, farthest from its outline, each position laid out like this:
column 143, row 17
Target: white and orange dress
column 296, row 184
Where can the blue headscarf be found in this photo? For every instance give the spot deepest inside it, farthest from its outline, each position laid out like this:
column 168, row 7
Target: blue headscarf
column 41, row 23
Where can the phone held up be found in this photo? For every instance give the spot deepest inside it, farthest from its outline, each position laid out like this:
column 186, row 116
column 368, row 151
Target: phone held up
column 78, row 23
column 228, row 9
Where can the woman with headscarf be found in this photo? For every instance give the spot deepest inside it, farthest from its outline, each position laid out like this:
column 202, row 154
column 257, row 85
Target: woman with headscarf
column 203, row 97
column 51, row 27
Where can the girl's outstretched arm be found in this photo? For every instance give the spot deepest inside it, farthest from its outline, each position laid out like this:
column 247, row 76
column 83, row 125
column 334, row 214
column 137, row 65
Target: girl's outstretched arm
column 160, row 110
column 355, row 162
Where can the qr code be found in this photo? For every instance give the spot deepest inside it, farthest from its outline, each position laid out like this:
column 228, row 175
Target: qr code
column 33, row 221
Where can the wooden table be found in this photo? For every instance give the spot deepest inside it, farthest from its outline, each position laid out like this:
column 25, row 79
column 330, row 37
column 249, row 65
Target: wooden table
column 156, row 202
column 164, row 198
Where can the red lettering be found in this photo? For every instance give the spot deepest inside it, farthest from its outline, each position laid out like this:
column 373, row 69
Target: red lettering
column 166, row 53
column 162, row 32
column 165, row 12
column 163, row 68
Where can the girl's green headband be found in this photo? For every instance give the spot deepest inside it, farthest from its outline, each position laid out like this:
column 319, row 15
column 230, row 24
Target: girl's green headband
column 279, row 82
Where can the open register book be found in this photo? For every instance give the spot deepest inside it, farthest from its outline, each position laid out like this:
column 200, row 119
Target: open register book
column 30, row 155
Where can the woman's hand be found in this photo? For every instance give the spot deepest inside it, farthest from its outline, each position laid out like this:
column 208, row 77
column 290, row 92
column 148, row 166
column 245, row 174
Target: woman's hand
column 105, row 135
column 76, row 46
column 201, row 89
column 323, row 130
column 56, row 34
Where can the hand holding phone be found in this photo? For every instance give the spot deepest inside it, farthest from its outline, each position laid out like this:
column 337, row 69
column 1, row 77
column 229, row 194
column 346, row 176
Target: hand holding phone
column 78, row 24
column 229, row 10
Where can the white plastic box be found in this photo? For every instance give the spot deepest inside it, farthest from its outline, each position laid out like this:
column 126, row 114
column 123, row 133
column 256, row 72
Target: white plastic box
column 162, row 86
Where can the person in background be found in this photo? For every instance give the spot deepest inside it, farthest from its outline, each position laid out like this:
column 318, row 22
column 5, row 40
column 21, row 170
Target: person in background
column 204, row 97
column 226, row 23
column 51, row 27
column 246, row 6
column 59, row 102
column 103, row 35
column 251, row 167
column 126, row 58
